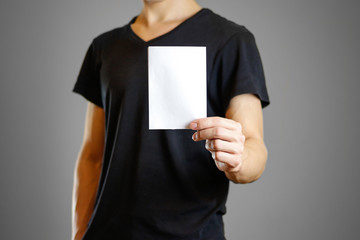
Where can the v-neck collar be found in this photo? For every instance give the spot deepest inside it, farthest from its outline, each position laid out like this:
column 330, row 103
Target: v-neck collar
column 187, row 21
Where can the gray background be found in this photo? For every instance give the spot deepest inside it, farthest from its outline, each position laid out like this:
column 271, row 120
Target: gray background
column 310, row 50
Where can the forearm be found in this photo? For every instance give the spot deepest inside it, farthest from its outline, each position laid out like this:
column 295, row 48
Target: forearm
column 253, row 162
column 86, row 180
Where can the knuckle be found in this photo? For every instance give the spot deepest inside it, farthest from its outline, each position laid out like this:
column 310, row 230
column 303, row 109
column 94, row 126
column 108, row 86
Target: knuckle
column 232, row 164
column 205, row 122
column 237, row 150
column 201, row 123
column 236, row 138
column 218, row 132
column 235, row 167
column 241, row 149
column 240, row 138
column 216, row 144
column 209, row 121
column 235, row 163
column 217, row 120
column 218, row 155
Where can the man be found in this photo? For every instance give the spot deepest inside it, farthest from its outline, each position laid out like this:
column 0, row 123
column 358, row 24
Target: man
column 135, row 183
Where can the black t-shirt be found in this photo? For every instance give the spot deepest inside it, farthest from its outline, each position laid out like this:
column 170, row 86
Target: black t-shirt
column 160, row 184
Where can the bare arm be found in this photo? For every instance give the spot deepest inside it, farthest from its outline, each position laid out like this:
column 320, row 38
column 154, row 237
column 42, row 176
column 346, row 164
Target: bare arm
column 87, row 170
column 236, row 142
column 246, row 109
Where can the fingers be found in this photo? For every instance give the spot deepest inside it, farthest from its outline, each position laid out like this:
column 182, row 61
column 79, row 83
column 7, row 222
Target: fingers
column 224, row 140
column 219, row 133
column 217, row 145
column 220, row 165
column 217, row 128
column 211, row 122
column 226, row 161
column 224, row 155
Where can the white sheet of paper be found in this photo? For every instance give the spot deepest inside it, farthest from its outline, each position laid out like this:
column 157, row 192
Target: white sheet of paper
column 177, row 86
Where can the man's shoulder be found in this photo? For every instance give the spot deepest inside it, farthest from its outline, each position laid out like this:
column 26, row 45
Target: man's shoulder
column 109, row 36
column 222, row 27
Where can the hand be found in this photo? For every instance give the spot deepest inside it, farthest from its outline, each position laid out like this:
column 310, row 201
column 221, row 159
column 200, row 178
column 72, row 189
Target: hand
column 224, row 140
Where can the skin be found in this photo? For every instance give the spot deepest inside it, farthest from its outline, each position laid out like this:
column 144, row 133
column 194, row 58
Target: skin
column 235, row 142
column 161, row 16
column 87, row 169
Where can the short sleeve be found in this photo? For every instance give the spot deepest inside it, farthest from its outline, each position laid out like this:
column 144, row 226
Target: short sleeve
column 88, row 81
column 242, row 69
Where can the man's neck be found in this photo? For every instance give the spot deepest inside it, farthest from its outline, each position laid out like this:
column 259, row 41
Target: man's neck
column 167, row 11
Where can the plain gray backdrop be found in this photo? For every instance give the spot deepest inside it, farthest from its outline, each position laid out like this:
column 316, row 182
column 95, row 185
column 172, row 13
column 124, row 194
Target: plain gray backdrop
column 310, row 51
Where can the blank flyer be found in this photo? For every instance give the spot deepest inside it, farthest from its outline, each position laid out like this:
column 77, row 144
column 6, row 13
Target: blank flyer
column 177, row 86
